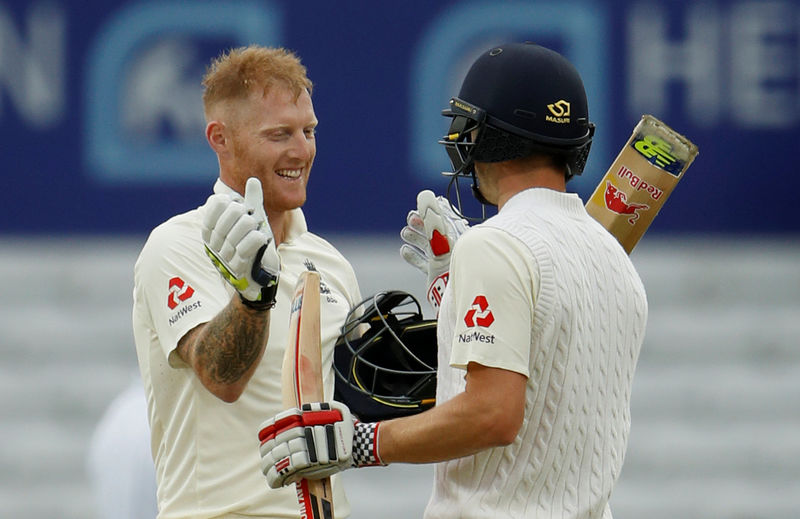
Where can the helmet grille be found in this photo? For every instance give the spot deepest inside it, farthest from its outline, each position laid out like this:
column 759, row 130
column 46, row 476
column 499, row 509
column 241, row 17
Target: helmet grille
column 389, row 369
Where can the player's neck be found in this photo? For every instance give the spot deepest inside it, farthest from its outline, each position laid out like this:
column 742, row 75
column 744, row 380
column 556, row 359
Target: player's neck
column 512, row 180
column 279, row 222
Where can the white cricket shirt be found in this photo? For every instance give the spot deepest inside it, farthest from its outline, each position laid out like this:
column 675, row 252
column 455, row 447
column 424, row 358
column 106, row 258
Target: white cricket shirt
column 206, row 451
column 543, row 290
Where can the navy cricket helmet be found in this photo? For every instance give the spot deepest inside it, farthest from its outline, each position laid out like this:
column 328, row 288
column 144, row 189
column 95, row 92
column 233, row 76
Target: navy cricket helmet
column 518, row 99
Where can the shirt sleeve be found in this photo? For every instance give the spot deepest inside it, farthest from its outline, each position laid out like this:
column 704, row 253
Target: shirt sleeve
column 180, row 285
column 493, row 285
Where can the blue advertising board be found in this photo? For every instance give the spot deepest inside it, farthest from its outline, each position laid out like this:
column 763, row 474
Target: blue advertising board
column 102, row 131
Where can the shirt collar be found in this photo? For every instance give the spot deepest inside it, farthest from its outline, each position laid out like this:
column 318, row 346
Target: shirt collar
column 570, row 202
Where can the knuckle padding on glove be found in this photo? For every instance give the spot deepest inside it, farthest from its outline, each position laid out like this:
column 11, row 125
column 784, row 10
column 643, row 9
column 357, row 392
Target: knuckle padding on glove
column 241, row 228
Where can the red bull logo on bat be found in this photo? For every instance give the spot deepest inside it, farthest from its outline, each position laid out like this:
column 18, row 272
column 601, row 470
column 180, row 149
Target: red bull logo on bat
column 639, row 184
column 617, row 202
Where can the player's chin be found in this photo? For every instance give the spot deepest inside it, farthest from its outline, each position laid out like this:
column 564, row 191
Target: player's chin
column 294, row 199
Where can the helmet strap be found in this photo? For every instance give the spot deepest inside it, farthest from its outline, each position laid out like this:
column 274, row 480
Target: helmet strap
column 453, row 196
column 476, row 192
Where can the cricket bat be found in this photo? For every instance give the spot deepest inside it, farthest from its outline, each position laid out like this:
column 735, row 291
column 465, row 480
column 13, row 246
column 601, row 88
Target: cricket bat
column 301, row 382
column 639, row 181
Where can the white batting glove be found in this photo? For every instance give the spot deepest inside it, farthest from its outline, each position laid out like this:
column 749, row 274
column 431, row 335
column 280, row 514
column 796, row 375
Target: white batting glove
column 429, row 237
column 239, row 241
column 314, row 442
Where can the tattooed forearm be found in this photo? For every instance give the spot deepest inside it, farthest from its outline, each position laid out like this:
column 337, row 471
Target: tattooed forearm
column 232, row 343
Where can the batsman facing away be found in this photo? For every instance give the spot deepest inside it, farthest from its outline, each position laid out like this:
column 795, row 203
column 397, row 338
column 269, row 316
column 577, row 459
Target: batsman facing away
column 541, row 317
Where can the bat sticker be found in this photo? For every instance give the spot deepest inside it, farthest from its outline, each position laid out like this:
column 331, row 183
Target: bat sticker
column 659, row 152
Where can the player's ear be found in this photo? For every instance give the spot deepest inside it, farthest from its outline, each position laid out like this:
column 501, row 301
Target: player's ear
column 217, row 136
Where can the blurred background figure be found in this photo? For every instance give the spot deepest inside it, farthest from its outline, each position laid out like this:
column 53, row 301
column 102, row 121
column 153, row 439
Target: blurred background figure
column 120, row 464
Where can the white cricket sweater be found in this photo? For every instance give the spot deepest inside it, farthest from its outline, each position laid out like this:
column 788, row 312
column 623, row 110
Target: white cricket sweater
column 542, row 289
column 206, row 450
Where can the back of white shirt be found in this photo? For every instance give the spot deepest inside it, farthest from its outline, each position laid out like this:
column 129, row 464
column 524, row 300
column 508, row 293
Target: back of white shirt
column 543, row 290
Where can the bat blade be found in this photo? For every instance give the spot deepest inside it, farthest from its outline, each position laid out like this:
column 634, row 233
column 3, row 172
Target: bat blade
column 301, row 382
column 639, row 181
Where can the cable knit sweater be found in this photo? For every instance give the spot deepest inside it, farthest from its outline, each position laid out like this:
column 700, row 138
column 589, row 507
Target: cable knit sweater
column 542, row 289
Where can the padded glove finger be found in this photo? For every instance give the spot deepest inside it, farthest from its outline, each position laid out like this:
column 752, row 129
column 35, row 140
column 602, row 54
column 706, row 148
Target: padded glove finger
column 223, row 226
column 211, row 212
column 415, row 257
column 254, row 201
column 232, row 246
column 415, row 243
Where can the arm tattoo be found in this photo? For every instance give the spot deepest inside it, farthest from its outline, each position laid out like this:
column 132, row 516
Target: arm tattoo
column 231, row 343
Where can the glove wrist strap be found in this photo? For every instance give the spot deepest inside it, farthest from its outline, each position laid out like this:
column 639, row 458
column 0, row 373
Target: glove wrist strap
column 266, row 301
column 365, row 445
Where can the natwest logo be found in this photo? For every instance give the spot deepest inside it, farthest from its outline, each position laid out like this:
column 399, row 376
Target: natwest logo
column 178, row 291
column 479, row 313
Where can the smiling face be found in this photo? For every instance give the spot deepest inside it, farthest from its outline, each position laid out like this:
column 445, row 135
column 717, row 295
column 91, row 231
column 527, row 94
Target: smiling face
column 271, row 137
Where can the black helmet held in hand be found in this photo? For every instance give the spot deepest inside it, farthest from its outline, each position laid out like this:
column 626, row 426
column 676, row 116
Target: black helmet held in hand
column 385, row 358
